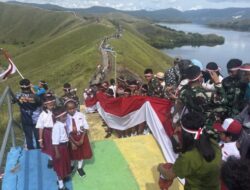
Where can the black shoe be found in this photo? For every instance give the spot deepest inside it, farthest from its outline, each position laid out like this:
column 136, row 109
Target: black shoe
column 108, row 135
column 50, row 164
column 66, row 179
column 64, row 188
column 81, row 172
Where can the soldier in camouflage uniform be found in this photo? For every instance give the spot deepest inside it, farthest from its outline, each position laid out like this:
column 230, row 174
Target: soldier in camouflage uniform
column 154, row 87
column 193, row 96
column 175, row 74
column 196, row 99
column 234, row 88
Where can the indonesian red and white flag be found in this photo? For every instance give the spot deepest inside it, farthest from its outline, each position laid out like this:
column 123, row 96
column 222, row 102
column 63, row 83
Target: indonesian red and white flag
column 11, row 67
column 124, row 113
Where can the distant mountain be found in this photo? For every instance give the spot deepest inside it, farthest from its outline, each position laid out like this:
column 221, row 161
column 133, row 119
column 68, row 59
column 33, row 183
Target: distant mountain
column 42, row 6
column 203, row 16
column 206, row 16
column 171, row 15
column 96, row 10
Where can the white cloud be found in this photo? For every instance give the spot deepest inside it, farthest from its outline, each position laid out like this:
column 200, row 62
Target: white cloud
column 146, row 4
column 234, row 1
column 196, row 7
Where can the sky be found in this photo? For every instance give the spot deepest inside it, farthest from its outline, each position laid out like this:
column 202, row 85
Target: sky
column 146, row 4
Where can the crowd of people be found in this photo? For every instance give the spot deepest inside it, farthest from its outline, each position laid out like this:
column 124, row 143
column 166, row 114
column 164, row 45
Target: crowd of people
column 58, row 128
column 210, row 118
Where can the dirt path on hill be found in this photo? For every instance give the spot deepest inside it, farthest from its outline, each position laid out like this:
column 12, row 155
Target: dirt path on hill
column 105, row 68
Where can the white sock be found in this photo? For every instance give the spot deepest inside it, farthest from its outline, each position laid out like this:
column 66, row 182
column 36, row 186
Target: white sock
column 80, row 163
column 60, row 184
column 72, row 163
column 50, row 158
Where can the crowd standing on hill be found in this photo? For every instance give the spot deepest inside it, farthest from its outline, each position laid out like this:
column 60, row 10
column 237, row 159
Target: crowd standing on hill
column 210, row 118
column 57, row 126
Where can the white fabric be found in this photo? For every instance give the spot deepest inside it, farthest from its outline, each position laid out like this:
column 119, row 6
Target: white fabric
column 80, row 164
column 163, row 84
column 11, row 68
column 85, row 95
column 226, row 124
column 113, row 87
column 229, row 149
column 80, row 121
column 45, row 120
column 145, row 113
column 211, row 87
column 91, row 109
column 60, row 184
column 59, row 133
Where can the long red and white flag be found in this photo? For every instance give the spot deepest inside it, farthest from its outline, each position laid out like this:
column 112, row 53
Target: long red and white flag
column 123, row 113
column 11, row 67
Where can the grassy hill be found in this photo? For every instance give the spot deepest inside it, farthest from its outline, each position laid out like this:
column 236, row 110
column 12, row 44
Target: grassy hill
column 54, row 46
column 61, row 47
column 134, row 55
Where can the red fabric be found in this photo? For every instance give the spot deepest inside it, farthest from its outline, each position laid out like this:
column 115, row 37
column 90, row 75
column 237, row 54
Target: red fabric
column 47, row 141
column 74, row 125
column 89, row 102
column 10, row 69
column 82, row 152
column 62, row 165
column 223, row 186
column 125, row 105
column 163, row 183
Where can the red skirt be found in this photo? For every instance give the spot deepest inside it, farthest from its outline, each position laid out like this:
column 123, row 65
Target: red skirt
column 164, row 183
column 47, row 141
column 62, row 165
column 82, row 152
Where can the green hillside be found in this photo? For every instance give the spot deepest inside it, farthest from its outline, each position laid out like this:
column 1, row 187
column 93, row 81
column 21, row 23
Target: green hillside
column 134, row 55
column 57, row 47
column 60, row 47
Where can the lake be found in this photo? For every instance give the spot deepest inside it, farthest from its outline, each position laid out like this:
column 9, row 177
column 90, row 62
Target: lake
column 237, row 45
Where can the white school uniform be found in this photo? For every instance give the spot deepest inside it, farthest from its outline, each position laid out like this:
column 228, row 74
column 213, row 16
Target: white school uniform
column 80, row 120
column 229, row 149
column 45, row 120
column 59, row 133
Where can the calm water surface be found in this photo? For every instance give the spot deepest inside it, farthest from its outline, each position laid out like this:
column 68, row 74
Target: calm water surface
column 237, row 45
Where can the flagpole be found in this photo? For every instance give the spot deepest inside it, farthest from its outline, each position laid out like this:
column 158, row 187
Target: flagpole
column 16, row 68
column 9, row 59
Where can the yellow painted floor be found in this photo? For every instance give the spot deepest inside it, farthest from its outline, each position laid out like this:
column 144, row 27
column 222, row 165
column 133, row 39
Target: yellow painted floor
column 142, row 154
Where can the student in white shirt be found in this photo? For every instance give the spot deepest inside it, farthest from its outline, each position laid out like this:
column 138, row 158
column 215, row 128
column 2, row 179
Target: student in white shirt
column 45, row 124
column 61, row 158
column 229, row 132
column 77, row 127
